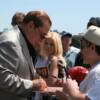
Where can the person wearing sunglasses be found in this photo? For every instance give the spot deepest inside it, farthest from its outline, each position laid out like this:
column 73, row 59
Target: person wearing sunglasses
column 18, row 78
column 69, row 52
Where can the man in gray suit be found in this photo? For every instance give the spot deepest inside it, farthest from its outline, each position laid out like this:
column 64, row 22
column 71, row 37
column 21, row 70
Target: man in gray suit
column 17, row 74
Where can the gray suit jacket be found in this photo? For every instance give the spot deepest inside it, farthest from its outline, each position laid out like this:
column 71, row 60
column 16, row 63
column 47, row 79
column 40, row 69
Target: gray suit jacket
column 16, row 68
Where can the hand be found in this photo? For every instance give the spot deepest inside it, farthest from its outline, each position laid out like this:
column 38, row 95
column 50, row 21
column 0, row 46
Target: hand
column 39, row 84
column 60, row 82
column 71, row 90
column 71, row 87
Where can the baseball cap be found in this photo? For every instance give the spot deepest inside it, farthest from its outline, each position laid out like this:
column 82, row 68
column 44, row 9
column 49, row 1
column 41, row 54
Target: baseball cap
column 66, row 34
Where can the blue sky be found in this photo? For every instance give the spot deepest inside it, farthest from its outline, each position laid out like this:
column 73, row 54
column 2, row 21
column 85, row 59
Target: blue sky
column 68, row 15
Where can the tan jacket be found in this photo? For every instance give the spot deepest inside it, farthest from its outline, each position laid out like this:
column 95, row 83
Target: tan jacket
column 16, row 68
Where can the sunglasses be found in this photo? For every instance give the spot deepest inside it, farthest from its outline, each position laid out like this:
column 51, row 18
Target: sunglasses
column 42, row 36
column 84, row 44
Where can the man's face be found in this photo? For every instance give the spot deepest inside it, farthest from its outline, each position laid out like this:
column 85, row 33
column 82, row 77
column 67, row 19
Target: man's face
column 40, row 34
column 87, row 52
column 66, row 42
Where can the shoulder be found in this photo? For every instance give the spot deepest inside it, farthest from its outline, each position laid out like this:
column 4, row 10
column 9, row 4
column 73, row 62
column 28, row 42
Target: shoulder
column 74, row 49
column 95, row 71
column 10, row 35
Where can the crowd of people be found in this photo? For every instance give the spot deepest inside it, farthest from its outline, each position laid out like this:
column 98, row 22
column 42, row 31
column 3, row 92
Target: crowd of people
column 32, row 59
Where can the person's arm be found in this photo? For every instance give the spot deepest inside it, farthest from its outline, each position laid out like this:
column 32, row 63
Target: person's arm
column 53, row 73
column 10, row 81
column 71, row 89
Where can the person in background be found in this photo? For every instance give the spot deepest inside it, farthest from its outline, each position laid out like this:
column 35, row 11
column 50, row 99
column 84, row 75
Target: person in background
column 69, row 52
column 94, row 21
column 17, row 19
column 89, row 87
column 17, row 73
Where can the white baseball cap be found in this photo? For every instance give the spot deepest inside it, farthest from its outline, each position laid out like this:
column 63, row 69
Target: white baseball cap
column 93, row 35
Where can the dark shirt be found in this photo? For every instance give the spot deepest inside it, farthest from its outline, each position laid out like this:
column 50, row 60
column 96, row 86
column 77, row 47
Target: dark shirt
column 79, row 61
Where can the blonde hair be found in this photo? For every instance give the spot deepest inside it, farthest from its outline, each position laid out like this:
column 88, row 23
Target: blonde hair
column 58, row 50
column 57, row 45
column 56, row 40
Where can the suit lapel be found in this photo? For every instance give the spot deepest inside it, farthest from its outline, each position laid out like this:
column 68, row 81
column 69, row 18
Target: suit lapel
column 27, row 56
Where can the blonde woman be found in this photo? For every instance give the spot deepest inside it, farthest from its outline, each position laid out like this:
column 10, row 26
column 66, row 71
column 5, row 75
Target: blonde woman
column 51, row 64
column 52, row 51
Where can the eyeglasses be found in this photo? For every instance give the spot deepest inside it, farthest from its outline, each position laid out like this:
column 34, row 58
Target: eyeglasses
column 41, row 34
